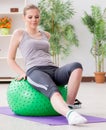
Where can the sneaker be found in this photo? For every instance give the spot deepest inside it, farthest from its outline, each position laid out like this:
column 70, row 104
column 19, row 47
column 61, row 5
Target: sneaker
column 76, row 105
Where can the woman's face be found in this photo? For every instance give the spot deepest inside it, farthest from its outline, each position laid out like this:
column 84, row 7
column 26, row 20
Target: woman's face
column 32, row 18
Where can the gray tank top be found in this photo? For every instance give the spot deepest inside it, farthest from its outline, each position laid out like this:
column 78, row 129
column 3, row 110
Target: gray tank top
column 35, row 51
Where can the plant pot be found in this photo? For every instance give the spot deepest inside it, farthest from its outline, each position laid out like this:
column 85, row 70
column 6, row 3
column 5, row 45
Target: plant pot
column 4, row 31
column 99, row 77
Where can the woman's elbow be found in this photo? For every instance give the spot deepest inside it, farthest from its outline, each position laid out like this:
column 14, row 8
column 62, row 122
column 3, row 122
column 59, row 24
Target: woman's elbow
column 10, row 60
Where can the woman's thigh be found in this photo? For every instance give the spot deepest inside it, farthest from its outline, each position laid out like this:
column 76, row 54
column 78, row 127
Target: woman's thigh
column 42, row 82
column 63, row 73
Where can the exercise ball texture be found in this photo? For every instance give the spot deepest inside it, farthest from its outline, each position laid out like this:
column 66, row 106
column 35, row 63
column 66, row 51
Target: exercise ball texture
column 25, row 100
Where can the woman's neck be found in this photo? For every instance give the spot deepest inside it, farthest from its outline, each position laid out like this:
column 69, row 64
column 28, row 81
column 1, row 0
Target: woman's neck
column 33, row 31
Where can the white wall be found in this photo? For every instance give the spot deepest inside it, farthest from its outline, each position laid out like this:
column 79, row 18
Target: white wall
column 82, row 53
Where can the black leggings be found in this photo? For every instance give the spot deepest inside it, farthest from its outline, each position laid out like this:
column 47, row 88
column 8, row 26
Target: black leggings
column 46, row 78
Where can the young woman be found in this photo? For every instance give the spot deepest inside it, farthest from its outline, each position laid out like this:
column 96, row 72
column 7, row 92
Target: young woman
column 41, row 72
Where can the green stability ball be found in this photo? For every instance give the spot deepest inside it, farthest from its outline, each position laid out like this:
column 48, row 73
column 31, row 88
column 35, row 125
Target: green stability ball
column 24, row 100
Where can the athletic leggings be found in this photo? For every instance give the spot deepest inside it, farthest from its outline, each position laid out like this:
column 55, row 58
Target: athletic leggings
column 46, row 79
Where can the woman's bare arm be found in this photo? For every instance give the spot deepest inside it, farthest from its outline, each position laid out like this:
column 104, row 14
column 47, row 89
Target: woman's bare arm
column 14, row 43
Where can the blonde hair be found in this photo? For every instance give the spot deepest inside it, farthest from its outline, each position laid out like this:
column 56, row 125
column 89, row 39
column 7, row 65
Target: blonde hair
column 28, row 7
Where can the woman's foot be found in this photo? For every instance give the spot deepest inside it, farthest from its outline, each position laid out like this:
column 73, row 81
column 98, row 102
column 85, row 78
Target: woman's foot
column 74, row 118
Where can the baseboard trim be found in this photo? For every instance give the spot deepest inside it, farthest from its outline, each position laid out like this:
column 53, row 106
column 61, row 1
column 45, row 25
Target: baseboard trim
column 84, row 79
column 5, row 79
column 88, row 79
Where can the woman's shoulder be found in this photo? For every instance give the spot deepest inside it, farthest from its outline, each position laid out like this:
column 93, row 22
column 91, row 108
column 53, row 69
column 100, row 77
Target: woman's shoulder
column 47, row 34
column 18, row 32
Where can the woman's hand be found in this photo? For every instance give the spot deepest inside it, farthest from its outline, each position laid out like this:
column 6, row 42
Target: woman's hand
column 22, row 76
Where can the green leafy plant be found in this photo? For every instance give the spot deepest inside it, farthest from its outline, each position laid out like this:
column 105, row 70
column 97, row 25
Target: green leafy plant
column 96, row 23
column 55, row 18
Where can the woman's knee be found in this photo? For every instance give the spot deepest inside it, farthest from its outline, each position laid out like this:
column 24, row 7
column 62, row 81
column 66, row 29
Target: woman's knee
column 75, row 65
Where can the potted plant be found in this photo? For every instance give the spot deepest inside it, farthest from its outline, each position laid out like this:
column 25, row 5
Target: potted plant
column 96, row 24
column 5, row 25
column 55, row 18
